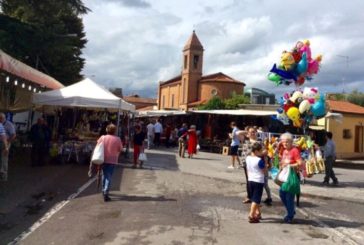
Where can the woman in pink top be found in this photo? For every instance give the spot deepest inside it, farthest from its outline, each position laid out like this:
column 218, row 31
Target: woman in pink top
column 112, row 149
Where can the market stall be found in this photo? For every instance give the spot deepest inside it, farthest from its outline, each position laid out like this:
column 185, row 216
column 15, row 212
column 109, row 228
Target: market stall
column 89, row 106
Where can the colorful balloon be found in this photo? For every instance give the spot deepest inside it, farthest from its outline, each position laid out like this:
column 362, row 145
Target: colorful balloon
column 287, row 60
column 302, row 65
column 319, row 108
column 282, row 73
column 304, row 106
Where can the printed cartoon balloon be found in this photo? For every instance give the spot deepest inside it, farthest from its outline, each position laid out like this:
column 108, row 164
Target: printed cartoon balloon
column 296, row 65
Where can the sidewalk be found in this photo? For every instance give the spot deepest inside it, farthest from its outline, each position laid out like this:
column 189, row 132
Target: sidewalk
column 349, row 163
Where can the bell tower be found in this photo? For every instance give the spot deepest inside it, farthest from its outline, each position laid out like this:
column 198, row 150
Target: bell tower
column 191, row 70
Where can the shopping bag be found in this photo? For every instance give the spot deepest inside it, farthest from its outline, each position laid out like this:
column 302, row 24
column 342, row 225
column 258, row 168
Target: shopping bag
column 198, row 147
column 142, row 157
column 282, row 176
column 292, row 185
column 98, row 154
column 274, row 172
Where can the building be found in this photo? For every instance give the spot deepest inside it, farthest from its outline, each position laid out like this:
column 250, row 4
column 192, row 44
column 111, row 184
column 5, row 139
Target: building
column 191, row 88
column 141, row 103
column 347, row 130
column 258, row 96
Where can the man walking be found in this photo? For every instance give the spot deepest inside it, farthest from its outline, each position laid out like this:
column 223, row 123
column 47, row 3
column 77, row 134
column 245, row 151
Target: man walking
column 330, row 157
column 234, row 146
column 158, row 130
column 150, row 134
column 10, row 136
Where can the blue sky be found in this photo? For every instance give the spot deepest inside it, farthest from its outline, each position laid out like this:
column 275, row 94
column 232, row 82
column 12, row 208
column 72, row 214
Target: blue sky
column 133, row 44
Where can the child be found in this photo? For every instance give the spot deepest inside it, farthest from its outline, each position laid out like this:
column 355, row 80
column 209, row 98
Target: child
column 255, row 167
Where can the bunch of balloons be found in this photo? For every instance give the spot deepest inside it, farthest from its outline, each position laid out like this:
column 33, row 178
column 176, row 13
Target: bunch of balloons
column 296, row 66
column 301, row 107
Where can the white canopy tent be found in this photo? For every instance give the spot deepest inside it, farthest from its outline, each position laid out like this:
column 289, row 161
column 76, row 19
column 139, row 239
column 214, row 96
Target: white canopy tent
column 239, row 112
column 85, row 93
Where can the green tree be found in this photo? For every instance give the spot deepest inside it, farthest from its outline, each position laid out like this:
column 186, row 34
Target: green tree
column 235, row 100
column 215, row 103
column 47, row 35
column 356, row 97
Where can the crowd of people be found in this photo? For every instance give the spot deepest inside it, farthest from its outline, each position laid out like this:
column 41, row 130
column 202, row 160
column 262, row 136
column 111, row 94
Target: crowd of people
column 257, row 164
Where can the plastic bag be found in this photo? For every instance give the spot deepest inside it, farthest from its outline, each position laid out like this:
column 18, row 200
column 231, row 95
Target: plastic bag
column 292, row 185
column 143, row 157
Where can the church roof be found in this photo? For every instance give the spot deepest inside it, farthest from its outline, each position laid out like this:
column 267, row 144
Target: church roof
column 219, row 77
column 216, row 77
column 193, row 42
column 172, row 80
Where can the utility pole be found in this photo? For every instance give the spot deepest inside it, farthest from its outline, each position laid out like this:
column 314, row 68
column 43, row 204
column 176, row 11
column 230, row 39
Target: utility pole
column 346, row 57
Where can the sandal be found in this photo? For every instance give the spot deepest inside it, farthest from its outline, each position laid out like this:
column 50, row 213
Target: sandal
column 253, row 220
column 258, row 217
column 247, row 201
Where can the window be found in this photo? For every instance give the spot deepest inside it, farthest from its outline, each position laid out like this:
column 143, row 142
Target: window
column 195, row 61
column 213, row 92
column 172, row 101
column 347, row 134
column 163, row 100
column 185, row 62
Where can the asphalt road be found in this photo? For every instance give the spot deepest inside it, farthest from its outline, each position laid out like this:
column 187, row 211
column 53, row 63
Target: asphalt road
column 188, row 201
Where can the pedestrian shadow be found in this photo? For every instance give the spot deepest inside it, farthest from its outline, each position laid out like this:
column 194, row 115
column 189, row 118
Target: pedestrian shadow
column 320, row 222
column 344, row 184
column 133, row 198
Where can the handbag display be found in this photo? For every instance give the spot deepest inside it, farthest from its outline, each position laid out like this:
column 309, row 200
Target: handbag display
column 142, row 157
column 98, row 154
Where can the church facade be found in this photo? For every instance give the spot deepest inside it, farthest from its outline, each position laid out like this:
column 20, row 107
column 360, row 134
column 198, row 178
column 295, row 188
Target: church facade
column 191, row 88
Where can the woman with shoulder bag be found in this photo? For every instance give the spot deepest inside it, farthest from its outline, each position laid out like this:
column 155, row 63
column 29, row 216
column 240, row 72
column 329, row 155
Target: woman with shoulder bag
column 112, row 149
column 290, row 157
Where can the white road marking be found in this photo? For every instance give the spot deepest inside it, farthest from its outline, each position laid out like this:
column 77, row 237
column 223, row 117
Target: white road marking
column 51, row 212
column 313, row 217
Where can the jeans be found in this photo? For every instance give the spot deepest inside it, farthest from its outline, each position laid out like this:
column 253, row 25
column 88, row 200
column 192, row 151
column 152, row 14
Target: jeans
column 107, row 170
column 329, row 172
column 288, row 201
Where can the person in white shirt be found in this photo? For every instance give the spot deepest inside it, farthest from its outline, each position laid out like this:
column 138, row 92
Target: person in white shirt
column 255, row 167
column 234, row 146
column 158, row 130
column 150, row 134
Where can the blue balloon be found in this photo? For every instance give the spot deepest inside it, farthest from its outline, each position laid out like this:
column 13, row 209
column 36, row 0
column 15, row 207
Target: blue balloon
column 286, row 75
column 319, row 108
column 302, row 64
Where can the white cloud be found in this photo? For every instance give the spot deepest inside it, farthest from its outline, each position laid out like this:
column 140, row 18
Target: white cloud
column 134, row 44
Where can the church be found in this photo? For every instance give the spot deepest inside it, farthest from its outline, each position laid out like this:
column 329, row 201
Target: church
column 191, row 88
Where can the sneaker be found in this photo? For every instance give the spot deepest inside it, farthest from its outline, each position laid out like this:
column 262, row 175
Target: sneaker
column 230, row 167
column 107, row 198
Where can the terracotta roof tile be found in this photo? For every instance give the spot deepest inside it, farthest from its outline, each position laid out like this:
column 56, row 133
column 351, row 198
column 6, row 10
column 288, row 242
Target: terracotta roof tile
column 219, row 77
column 345, row 107
column 174, row 79
column 137, row 99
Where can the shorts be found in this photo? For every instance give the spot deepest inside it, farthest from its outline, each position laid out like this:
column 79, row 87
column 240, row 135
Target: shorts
column 256, row 190
column 234, row 150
